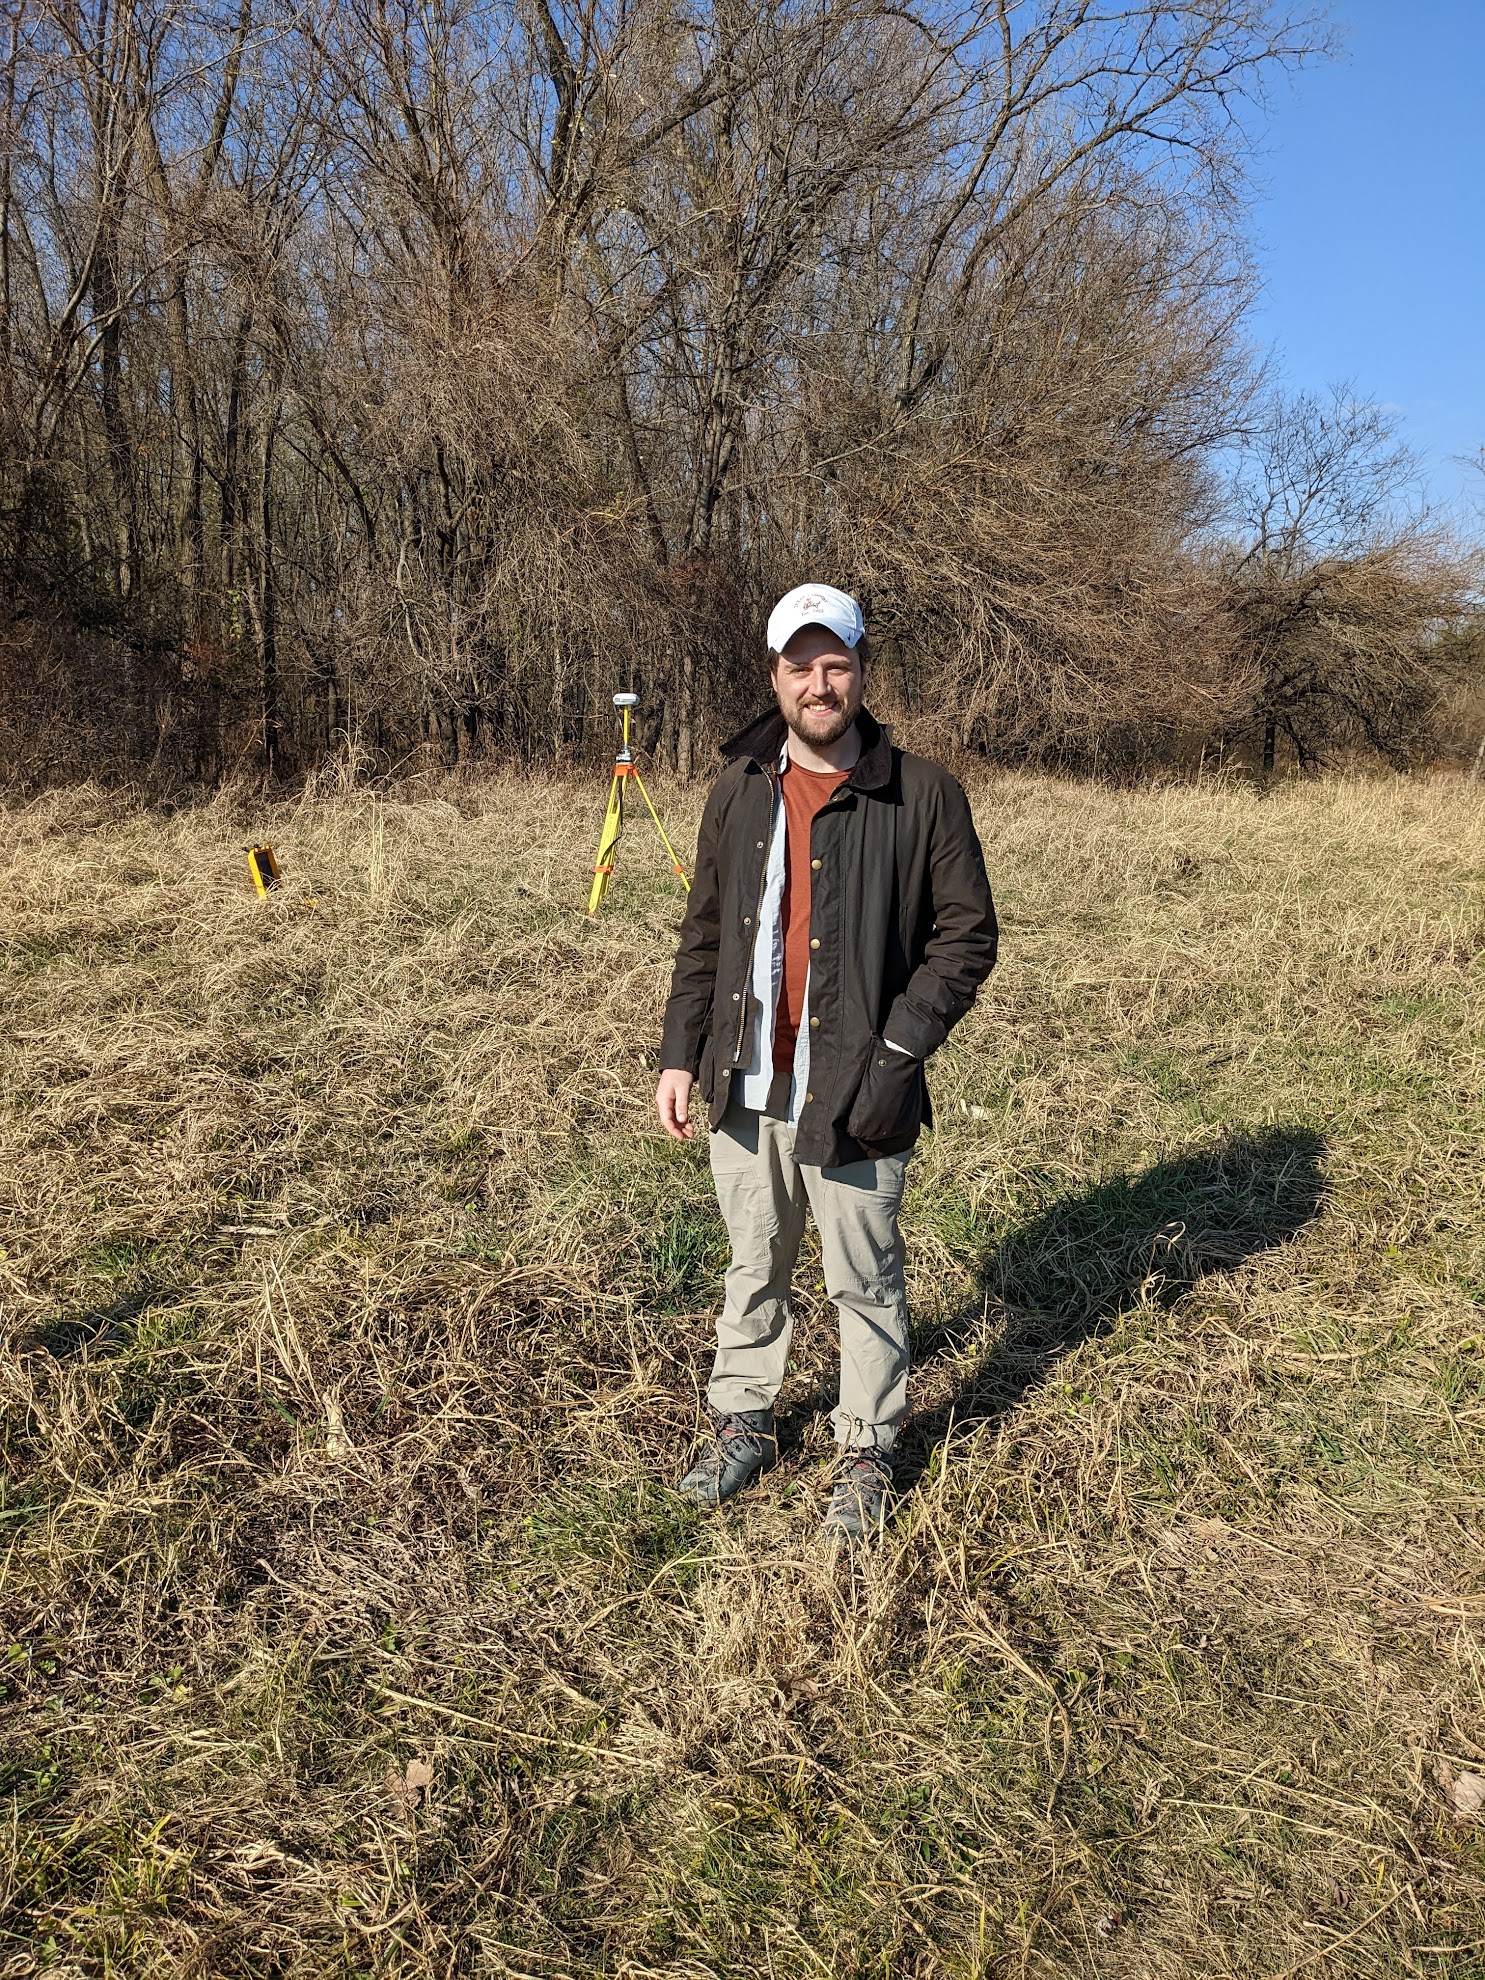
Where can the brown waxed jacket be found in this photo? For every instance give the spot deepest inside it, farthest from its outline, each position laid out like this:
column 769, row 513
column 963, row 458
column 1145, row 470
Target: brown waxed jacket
column 901, row 910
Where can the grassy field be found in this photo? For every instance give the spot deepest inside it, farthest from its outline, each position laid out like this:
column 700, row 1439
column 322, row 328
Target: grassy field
column 355, row 1322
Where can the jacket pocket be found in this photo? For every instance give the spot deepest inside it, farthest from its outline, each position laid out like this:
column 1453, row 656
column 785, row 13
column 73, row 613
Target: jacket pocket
column 888, row 1108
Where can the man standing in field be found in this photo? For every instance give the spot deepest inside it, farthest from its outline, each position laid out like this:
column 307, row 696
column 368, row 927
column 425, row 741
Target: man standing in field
column 839, row 925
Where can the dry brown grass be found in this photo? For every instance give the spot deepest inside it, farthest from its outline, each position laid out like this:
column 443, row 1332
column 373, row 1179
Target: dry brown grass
column 355, row 1321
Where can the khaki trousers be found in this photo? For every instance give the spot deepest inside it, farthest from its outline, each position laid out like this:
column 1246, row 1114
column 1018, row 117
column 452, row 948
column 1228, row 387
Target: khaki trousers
column 763, row 1193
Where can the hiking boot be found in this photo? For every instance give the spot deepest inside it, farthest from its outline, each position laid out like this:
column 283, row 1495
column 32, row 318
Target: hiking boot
column 744, row 1445
column 858, row 1505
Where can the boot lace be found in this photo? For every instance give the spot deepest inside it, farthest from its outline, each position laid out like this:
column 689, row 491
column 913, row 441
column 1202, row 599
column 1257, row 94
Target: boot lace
column 729, row 1428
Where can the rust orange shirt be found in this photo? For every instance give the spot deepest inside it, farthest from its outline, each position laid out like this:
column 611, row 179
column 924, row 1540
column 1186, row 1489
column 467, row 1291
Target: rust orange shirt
column 805, row 792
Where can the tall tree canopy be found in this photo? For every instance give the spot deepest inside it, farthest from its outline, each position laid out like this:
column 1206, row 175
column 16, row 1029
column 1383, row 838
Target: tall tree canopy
column 406, row 374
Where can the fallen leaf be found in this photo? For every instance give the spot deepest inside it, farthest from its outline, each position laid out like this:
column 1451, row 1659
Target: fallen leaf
column 790, row 1690
column 1465, row 1793
column 1195, row 1540
column 410, row 1785
column 337, row 1443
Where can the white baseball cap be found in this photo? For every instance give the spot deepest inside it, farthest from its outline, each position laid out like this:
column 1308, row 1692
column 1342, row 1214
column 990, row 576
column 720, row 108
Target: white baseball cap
column 814, row 605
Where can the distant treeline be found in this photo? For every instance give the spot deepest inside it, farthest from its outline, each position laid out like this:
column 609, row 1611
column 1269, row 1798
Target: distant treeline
column 394, row 379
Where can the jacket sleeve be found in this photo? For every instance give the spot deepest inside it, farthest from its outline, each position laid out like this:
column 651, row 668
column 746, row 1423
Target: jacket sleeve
column 688, row 1011
column 960, row 952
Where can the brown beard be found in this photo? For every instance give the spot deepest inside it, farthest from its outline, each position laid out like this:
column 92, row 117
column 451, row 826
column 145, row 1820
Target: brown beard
column 845, row 716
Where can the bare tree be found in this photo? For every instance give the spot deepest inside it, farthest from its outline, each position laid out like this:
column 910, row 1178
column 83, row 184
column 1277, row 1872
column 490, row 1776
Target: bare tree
column 411, row 376
column 1340, row 589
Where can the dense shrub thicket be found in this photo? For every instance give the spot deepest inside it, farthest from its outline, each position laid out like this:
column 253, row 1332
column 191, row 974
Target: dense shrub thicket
column 385, row 379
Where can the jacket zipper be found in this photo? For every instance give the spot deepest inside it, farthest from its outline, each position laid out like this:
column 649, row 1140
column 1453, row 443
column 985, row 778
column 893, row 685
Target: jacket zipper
column 742, row 1014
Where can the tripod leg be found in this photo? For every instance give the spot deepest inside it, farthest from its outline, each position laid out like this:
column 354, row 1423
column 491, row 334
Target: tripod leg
column 661, row 830
column 613, row 825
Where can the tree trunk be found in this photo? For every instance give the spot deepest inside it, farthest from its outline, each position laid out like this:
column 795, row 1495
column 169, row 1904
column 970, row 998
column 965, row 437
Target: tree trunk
column 685, row 712
column 268, row 606
column 190, row 518
column 118, row 447
column 231, row 475
column 332, row 706
column 665, row 746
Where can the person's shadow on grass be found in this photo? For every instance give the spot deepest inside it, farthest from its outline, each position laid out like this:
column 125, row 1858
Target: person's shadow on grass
column 1065, row 1277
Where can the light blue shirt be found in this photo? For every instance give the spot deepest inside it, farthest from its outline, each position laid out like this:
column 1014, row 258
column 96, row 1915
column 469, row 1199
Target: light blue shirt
column 750, row 1086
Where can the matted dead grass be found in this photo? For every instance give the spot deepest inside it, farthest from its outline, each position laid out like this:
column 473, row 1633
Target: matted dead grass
column 356, row 1320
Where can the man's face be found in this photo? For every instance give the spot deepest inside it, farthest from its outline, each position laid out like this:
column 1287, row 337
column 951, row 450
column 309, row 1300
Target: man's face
column 818, row 680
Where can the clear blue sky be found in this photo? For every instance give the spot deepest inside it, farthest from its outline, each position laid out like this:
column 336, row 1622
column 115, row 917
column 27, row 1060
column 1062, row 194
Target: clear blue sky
column 1369, row 227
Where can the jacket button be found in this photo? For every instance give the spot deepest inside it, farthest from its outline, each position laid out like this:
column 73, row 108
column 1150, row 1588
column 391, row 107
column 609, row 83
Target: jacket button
column 814, row 1024
column 760, row 845
column 814, row 941
column 747, row 921
column 808, row 1097
column 880, row 1062
column 815, row 864
column 737, row 999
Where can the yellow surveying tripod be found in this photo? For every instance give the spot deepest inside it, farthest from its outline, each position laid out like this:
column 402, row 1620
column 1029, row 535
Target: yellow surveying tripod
column 625, row 767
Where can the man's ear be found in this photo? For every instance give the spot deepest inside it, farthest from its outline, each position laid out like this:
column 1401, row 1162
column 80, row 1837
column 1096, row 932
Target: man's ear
column 863, row 655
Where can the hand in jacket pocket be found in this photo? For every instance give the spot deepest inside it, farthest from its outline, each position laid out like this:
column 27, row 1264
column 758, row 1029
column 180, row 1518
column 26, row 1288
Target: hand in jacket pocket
column 888, row 1108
